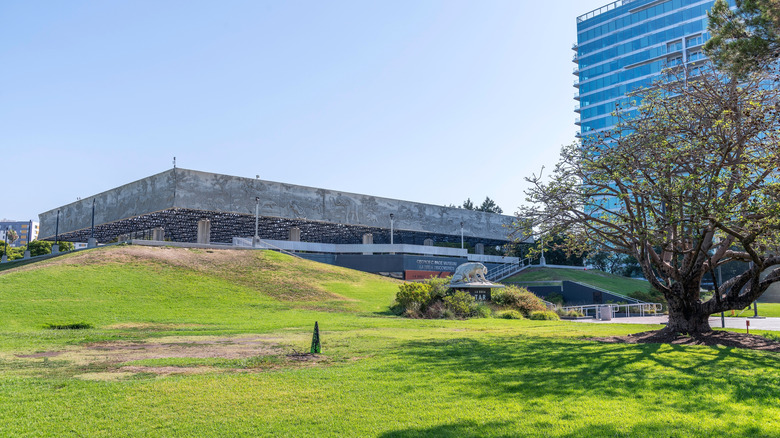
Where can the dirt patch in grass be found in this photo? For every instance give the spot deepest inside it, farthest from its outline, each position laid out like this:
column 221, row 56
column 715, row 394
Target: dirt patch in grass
column 728, row 339
column 118, row 360
column 152, row 327
column 37, row 355
column 177, row 347
column 164, row 371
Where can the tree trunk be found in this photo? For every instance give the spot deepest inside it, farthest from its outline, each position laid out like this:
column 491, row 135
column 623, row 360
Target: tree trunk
column 690, row 323
column 686, row 313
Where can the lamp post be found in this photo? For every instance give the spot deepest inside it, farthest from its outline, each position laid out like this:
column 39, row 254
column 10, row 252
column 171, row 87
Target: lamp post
column 391, row 228
column 257, row 221
column 56, row 247
column 5, row 251
column 461, row 235
column 92, row 241
column 722, row 313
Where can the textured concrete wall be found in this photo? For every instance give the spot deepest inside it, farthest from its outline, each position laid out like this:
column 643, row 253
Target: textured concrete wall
column 208, row 191
column 147, row 195
column 213, row 192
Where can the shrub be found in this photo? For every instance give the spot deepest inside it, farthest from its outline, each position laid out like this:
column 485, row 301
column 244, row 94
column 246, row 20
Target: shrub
column 518, row 298
column 438, row 288
column 461, row 304
column 413, row 296
column 434, row 311
column 510, row 314
column 483, row 311
column 543, row 315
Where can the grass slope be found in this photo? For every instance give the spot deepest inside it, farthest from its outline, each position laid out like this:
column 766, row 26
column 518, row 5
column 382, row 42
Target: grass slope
column 610, row 282
column 379, row 375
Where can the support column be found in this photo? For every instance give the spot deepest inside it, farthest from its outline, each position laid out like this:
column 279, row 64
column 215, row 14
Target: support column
column 428, row 242
column 158, row 234
column 368, row 239
column 479, row 249
column 295, row 234
column 92, row 242
column 204, row 231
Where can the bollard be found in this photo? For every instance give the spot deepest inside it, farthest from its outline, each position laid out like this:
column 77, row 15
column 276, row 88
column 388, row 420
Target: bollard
column 747, row 326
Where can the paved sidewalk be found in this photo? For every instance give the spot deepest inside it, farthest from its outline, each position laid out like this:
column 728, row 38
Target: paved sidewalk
column 757, row 324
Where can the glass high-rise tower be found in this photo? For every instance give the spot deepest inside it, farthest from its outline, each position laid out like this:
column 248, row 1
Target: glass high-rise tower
column 625, row 45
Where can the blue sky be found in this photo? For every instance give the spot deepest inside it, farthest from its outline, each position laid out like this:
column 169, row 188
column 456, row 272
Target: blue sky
column 427, row 101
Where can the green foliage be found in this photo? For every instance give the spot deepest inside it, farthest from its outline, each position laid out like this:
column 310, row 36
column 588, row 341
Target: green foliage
column 413, row 296
column 423, row 299
column 483, row 311
column 510, row 314
column 686, row 184
column 13, row 253
column 556, row 251
column 461, row 304
column 543, row 315
column 66, row 246
column 569, row 313
column 745, row 39
column 518, row 298
column 39, row 248
column 488, row 205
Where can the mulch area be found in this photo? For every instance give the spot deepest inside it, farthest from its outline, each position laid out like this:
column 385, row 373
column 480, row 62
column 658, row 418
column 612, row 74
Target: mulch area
column 728, row 339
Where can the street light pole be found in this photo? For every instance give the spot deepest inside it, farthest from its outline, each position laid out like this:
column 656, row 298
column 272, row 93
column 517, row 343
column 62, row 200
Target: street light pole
column 92, row 231
column 257, row 221
column 391, row 228
column 5, row 251
column 56, row 246
column 720, row 282
column 461, row 235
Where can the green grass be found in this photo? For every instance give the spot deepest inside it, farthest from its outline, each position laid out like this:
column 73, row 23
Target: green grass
column 771, row 310
column 610, row 282
column 379, row 375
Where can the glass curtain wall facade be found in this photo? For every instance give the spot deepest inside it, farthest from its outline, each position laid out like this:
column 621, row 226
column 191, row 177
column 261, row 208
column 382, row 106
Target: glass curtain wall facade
column 625, row 45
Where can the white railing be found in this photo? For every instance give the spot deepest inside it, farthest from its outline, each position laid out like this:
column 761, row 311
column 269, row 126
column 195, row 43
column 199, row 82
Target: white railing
column 504, row 271
column 641, row 309
column 398, row 248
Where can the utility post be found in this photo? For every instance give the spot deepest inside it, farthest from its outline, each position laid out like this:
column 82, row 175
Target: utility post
column 55, row 249
column 257, row 222
column 391, row 228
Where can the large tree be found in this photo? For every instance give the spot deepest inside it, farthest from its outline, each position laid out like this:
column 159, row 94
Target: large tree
column 746, row 38
column 687, row 185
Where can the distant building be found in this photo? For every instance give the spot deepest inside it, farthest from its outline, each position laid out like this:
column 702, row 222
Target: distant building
column 26, row 232
column 625, row 45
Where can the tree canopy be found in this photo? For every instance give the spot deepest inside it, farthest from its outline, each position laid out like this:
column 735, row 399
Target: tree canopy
column 744, row 39
column 488, row 205
column 689, row 184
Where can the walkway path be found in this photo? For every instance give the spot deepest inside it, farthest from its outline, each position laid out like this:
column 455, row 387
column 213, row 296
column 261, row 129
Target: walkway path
column 757, row 324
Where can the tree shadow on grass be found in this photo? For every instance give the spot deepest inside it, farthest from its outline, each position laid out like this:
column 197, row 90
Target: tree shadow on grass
column 507, row 430
column 531, row 367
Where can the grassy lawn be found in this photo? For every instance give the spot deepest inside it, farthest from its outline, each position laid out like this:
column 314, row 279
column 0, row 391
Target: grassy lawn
column 379, row 375
column 610, row 282
column 771, row 310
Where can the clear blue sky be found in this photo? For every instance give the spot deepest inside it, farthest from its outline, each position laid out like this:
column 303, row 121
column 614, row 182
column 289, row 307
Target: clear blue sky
column 428, row 101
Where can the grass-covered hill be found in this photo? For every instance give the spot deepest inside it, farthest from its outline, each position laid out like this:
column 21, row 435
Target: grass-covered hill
column 610, row 282
column 220, row 288
column 201, row 343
